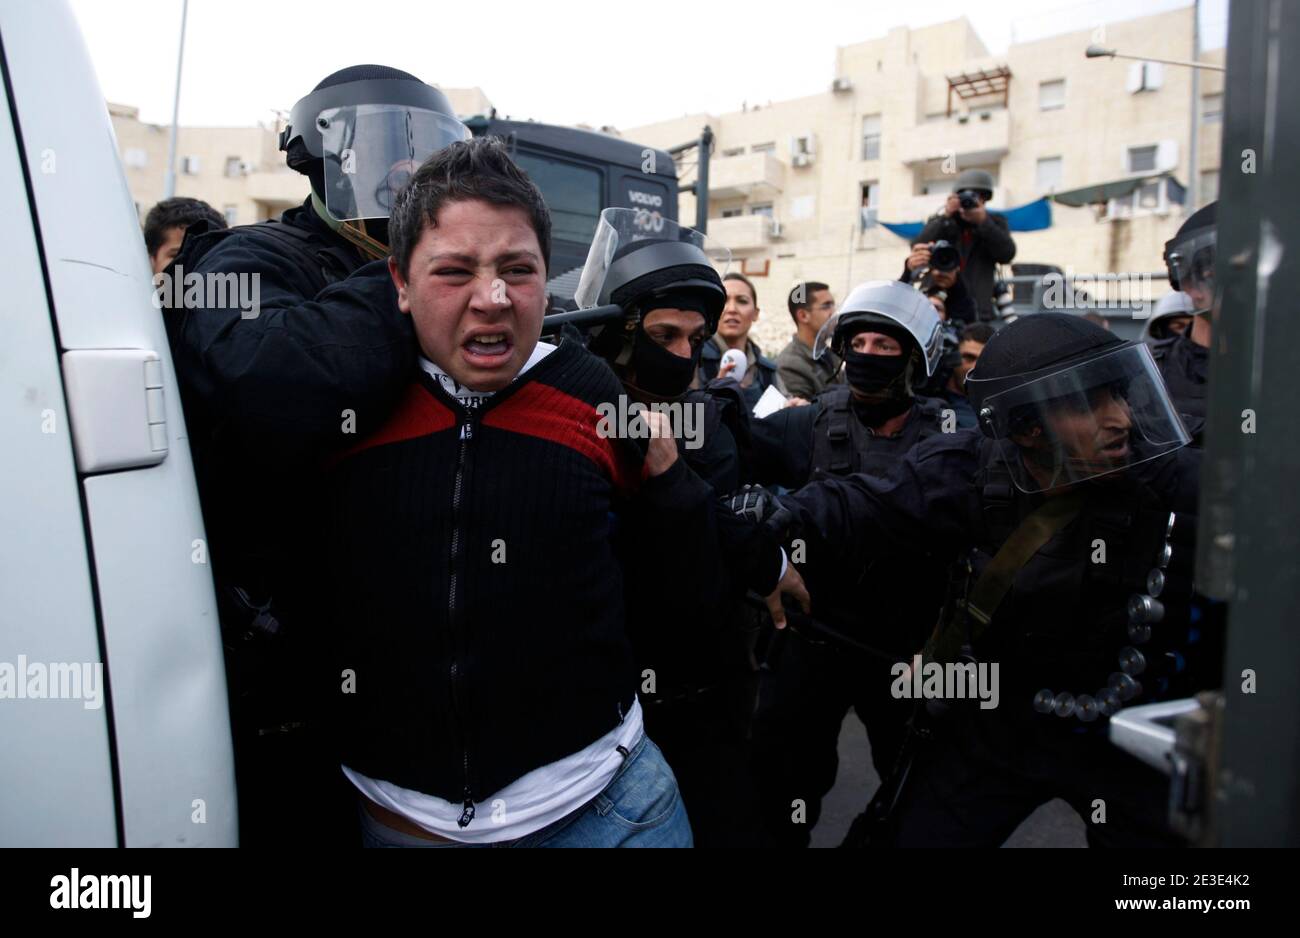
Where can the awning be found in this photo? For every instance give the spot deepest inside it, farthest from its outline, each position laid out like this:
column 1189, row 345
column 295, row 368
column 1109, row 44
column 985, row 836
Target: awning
column 1105, row 191
column 1034, row 216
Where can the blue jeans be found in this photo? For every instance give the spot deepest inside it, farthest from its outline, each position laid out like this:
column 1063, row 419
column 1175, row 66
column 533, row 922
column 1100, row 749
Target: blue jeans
column 640, row 807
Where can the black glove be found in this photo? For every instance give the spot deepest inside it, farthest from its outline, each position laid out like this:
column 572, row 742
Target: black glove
column 759, row 506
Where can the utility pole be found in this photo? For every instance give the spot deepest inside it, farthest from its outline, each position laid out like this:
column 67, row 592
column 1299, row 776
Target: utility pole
column 170, row 187
column 1193, row 149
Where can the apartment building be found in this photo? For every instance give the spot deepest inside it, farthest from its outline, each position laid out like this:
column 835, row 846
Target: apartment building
column 797, row 188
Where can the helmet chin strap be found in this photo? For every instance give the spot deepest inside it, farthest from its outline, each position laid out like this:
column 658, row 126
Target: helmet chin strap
column 354, row 232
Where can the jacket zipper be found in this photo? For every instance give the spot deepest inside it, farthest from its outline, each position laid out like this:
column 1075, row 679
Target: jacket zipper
column 467, row 434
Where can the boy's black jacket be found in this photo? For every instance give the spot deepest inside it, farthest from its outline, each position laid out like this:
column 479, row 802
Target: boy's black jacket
column 475, row 594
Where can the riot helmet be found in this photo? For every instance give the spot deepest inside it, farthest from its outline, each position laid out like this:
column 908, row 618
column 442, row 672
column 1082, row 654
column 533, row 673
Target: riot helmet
column 1173, row 305
column 882, row 384
column 642, row 262
column 1068, row 400
column 1189, row 257
column 887, row 306
column 359, row 136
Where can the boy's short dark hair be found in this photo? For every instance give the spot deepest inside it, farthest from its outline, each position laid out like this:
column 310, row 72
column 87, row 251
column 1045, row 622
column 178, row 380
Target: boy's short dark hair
column 480, row 168
column 801, row 297
column 979, row 332
column 179, row 212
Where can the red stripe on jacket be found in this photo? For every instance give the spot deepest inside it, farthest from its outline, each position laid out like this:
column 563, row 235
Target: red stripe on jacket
column 418, row 414
column 541, row 411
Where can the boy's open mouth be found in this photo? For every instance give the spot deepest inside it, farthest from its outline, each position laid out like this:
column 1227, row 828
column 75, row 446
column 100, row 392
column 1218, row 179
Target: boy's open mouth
column 487, row 349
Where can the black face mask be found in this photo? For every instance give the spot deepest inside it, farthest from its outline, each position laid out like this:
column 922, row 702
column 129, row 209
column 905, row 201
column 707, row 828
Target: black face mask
column 885, row 379
column 873, row 374
column 658, row 371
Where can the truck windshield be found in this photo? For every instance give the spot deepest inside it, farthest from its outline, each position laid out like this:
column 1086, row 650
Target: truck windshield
column 573, row 194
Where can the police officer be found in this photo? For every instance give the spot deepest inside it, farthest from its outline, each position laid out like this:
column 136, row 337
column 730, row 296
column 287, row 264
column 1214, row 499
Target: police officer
column 1185, row 360
column 1068, row 516
column 356, row 136
column 1170, row 318
column 889, row 337
column 695, row 647
column 662, row 275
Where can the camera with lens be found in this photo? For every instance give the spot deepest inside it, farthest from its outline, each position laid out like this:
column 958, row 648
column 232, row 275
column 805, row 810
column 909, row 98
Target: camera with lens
column 969, row 198
column 944, row 256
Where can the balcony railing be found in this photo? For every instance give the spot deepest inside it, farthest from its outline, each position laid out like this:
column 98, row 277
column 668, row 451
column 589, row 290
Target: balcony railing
column 742, row 232
column 983, row 137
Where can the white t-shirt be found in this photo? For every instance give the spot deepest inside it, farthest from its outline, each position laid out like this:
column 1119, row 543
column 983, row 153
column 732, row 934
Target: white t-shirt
column 536, row 799
column 527, row 804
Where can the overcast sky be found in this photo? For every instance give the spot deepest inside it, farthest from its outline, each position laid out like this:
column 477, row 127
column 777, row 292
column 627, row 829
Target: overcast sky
column 566, row 61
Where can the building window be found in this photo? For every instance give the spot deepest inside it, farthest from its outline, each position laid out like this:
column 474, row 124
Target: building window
column 1209, row 186
column 763, row 148
column 870, row 213
column 135, row 158
column 734, row 151
column 765, row 208
column 190, row 165
column 871, row 137
column 234, row 166
column 1212, row 108
column 1049, row 173
column 732, row 212
column 1142, row 159
column 1051, row 95
column 232, row 214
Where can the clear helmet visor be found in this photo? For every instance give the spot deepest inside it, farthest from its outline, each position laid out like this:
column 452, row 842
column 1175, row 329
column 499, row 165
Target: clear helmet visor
column 1089, row 420
column 910, row 309
column 620, row 227
column 1191, row 267
column 371, row 150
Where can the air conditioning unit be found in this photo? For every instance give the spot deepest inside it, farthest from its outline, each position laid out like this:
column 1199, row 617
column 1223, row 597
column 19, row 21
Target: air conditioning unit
column 841, row 85
column 802, row 148
column 775, row 230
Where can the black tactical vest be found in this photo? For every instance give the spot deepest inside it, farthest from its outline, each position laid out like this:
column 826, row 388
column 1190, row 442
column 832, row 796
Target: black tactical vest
column 905, row 591
column 1078, row 605
column 842, row 445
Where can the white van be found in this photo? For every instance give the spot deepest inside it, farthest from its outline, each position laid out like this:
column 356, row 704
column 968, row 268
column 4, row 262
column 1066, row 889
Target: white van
column 114, row 725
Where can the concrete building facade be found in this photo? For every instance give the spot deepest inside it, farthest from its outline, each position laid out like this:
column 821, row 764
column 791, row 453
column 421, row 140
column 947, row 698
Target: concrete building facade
column 795, row 187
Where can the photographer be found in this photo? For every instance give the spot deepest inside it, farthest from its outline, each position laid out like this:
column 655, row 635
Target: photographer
column 982, row 238
column 940, row 278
